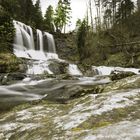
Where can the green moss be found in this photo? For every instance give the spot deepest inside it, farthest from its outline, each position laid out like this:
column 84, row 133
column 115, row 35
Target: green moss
column 111, row 117
column 76, row 129
column 21, row 107
column 9, row 63
column 118, row 59
column 101, row 124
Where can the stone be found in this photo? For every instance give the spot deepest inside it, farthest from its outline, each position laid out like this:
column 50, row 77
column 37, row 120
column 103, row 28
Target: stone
column 117, row 75
column 58, row 67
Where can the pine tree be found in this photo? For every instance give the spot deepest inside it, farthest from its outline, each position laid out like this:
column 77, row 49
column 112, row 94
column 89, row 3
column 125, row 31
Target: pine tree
column 62, row 15
column 37, row 16
column 49, row 19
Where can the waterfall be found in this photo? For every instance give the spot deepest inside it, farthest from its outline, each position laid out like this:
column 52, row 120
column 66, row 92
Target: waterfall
column 73, row 70
column 24, row 47
column 40, row 40
column 51, row 44
column 24, row 36
column 38, row 48
column 24, row 43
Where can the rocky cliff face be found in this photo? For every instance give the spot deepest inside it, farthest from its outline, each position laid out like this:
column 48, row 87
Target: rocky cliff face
column 66, row 46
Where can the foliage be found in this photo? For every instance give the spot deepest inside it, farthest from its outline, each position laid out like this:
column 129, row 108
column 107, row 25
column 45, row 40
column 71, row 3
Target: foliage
column 49, row 19
column 81, row 37
column 37, row 16
column 109, row 42
column 6, row 30
column 62, row 15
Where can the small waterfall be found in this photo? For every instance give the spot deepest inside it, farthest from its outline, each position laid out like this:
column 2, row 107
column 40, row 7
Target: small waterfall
column 40, row 40
column 38, row 67
column 73, row 70
column 32, row 37
column 18, row 40
column 26, row 39
column 24, row 36
column 51, row 43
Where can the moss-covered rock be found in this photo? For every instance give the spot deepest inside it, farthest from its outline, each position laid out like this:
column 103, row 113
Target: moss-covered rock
column 120, row 75
column 10, row 63
column 58, row 67
column 126, row 83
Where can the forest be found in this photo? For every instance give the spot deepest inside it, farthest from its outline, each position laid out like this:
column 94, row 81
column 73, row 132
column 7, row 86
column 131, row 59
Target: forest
column 112, row 36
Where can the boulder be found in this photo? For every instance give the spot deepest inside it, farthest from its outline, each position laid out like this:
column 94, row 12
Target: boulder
column 10, row 63
column 130, row 82
column 58, row 67
column 117, row 75
column 6, row 79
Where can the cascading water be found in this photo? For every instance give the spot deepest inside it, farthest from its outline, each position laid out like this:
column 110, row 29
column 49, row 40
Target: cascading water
column 51, row 44
column 24, row 47
column 38, row 52
column 73, row 70
column 104, row 70
column 40, row 40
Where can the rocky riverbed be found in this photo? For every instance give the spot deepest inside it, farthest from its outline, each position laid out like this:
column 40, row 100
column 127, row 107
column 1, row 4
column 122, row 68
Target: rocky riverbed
column 79, row 109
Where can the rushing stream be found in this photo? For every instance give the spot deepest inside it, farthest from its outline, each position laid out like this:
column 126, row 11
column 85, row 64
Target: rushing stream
column 81, row 108
column 93, row 116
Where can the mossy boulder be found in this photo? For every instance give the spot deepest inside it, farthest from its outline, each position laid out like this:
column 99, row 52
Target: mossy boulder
column 120, row 75
column 130, row 82
column 58, row 67
column 10, row 63
column 9, row 78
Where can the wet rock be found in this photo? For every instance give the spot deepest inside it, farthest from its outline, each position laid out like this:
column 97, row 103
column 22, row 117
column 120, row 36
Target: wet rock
column 4, row 80
column 22, row 68
column 42, row 76
column 8, row 78
column 88, row 71
column 117, row 75
column 130, row 82
column 69, row 92
column 16, row 76
column 9, row 63
column 66, row 77
column 58, row 67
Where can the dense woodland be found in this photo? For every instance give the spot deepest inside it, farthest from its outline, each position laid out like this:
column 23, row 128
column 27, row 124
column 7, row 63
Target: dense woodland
column 110, row 38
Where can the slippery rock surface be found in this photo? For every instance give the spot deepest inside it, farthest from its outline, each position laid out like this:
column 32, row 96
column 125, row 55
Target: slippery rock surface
column 110, row 115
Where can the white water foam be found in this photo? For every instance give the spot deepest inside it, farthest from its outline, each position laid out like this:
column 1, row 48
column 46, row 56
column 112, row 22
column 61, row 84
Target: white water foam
column 104, row 70
column 73, row 70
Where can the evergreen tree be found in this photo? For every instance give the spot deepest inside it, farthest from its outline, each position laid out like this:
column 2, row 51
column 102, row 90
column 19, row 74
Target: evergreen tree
column 26, row 15
column 12, row 7
column 37, row 16
column 125, row 10
column 6, row 30
column 62, row 15
column 49, row 19
column 81, row 38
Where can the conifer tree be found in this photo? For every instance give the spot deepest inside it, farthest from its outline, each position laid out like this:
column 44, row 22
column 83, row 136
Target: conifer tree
column 49, row 19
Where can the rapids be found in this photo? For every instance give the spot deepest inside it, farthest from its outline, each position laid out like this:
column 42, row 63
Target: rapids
column 93, row 116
